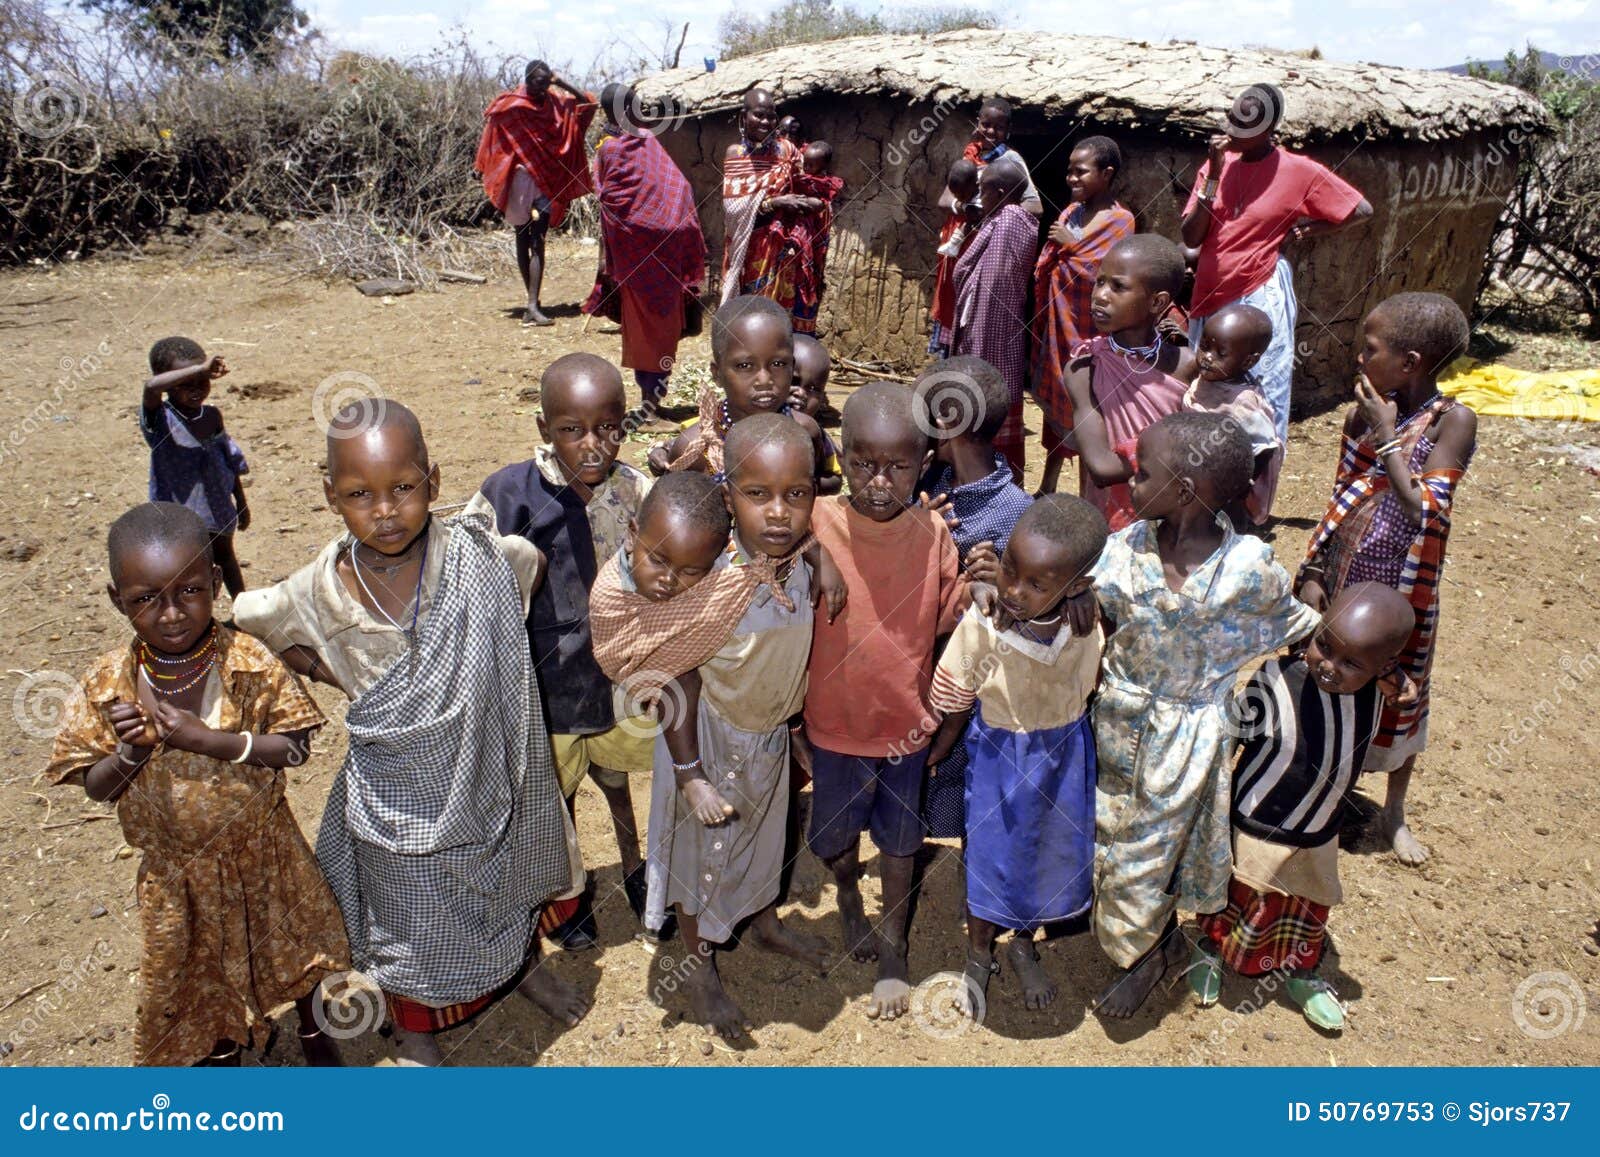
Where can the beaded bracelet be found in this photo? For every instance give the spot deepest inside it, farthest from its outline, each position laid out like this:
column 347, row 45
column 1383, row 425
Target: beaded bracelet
column 690, row 766
column 1390, row 447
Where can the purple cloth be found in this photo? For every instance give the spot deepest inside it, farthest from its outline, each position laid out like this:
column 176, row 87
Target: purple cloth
column 991, row 321
column 988, row 508
column 195, row 472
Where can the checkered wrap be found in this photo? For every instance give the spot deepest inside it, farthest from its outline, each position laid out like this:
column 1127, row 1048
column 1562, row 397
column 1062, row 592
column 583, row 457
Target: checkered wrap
column 443, row 833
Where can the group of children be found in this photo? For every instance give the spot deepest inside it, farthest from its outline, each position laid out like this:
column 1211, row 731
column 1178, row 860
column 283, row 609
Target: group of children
column 1051, row 681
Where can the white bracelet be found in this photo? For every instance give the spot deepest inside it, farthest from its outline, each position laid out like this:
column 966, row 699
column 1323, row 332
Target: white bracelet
column 124, row 760
column 249, row 742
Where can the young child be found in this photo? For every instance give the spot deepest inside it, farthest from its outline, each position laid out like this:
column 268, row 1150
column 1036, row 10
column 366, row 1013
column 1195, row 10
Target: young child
column 806, row 234
column 444, row 833
column 719, row 804
column 189, row 730
column 1232, row 341
column 1406, row 448
column 870, row 672
column 1305, row 724
column 959, row 200
column 1018, row 688
column 1063, row 285
column 574, row 501
column 809, row 396
column 193, row 460
column 1128, row 375
column 964, row 403
column 990, row 141
column 1189, row 603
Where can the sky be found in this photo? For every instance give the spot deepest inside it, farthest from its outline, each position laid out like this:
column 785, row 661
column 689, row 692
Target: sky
column 1400, row 32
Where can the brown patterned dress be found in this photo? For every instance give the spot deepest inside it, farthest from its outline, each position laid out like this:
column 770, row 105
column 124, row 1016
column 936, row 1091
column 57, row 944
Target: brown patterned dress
column 237, row 918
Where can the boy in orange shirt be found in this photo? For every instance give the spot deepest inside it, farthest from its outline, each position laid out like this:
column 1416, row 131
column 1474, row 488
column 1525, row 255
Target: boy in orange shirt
column 867, row 712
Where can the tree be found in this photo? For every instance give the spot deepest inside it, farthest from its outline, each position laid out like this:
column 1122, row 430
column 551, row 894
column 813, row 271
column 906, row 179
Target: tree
column 812, row 21
column 218, row 30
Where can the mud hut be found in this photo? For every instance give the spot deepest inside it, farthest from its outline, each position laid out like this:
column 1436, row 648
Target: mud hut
column 1434, row 153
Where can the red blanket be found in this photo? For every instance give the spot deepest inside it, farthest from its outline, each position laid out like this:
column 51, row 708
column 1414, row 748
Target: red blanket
column 546, row 139
column 653, row 244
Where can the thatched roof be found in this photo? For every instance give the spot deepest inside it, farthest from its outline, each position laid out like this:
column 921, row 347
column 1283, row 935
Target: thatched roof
column 1177, row 85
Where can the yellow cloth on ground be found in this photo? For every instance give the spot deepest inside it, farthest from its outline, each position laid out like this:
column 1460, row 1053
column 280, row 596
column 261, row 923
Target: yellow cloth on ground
column 1560, row 395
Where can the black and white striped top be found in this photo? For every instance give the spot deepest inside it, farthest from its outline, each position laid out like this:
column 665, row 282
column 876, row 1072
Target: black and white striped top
column 1301, row 750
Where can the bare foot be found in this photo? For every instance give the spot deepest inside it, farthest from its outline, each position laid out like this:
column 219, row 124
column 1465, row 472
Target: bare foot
column 417, row 1049
column 891, row 995
column 1038, row 990
column 1124, row 995
column 972, row 1000
column 710, row 1005
column 1407, row 848
column 560, row 999
column 859, row 939
column 775, row 936
column 533, row 315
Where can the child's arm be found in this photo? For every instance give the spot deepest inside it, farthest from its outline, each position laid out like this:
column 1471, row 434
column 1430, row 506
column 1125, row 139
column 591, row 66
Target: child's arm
column 305, row 662
column 1198, row 220
column 661, row 457
column 829, row 582
column 156, row 387
column 679, row 712
column 114, row 773
column 1105, row 465
column 187, row 732
column 950, row 729
column 1458, row 430
column 241, row 503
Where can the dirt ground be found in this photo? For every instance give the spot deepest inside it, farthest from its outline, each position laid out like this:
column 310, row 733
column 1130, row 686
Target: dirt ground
column 1483, row 956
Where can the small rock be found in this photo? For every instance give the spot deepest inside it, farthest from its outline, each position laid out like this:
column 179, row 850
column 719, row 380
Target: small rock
column 1271, row 1036
column 21, row 551
column 6, row 1048
column 705, row 1048
column 124, row 852
column 108, row 1033
column 1541, row 831
column 109, row 966
column 97, row 911
column 385, row 287
column 1591, row 948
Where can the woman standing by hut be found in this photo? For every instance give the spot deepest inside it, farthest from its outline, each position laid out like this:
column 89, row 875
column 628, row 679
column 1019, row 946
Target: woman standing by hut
column 532, row 161
column 1250, row 196
column 1063, row 281
column 653, row 255
column 758, row 176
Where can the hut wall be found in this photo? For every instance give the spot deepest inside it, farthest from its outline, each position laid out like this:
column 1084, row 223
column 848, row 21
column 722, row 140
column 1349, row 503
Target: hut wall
column 1435, row 206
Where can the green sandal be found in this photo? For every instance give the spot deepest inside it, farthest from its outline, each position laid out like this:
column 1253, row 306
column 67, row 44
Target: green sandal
column 1205, row 975
column 1317, row 1000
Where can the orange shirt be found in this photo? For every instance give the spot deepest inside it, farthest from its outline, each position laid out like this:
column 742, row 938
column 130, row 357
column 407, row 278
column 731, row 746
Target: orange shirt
column 872, row 666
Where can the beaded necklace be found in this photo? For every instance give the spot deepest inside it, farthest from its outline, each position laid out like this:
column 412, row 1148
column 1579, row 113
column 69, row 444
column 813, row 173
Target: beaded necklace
column 148, row 660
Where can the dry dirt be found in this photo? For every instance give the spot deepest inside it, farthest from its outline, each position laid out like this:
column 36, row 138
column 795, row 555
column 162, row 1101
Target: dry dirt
column 1430, row 959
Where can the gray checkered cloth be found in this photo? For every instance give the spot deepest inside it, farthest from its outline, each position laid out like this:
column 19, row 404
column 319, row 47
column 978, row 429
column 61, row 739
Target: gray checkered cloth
column 443, row 834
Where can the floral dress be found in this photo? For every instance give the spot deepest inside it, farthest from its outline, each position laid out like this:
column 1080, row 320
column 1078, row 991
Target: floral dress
column 1162, row 724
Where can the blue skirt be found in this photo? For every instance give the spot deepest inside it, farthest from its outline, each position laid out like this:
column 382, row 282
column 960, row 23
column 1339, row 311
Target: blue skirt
column 1030, row 822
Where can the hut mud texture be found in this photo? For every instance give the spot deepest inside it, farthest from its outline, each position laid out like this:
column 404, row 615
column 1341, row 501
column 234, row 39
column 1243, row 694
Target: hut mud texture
column 1435, row 154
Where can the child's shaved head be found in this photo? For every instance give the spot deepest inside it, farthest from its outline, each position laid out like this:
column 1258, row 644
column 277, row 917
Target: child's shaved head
column 355, row 422
column 1007, row 177
column 962, row 178
column 1371, row 615
column 748, row 435
column 691, row 498
column 1068, row 523
column 579, row 376
column 964, row 395
column 171, row 353
column 1211, row 448
column 168, row 525
column 887, row 408
column 998, row 105
column 1429, row 323
column 1155, row 260
column 734, row 313
column 1242, row 323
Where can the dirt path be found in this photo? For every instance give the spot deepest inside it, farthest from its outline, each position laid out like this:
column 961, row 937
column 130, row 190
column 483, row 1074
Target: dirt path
column 1430, row 959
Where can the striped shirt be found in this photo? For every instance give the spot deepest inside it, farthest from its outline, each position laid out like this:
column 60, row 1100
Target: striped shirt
column 1299, row 754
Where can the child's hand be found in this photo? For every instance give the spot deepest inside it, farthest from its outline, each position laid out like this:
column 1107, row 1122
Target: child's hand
column 940, row 504
column 987, row 599
column 1060, row 234
column 658, row 461
column 1082, row 610
column 1399, row 689
column 132, row 725
column 830, row 586
column 244, row 517
column 1380, row 413
column 1172, row 332
column 708, row 806
column 181, row 729
column 983, row 563
column 216, row 367
column 1216, row 151
column 800, row 748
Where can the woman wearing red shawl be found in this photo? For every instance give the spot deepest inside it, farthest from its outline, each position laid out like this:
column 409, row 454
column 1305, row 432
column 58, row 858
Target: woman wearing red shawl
column 1063, row 284
column 758, row 188
column 992, row 277
column 532, row 160
column 652, row 253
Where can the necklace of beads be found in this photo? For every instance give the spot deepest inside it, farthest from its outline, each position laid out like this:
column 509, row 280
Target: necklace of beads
column 1145, row 353
column 146, row 657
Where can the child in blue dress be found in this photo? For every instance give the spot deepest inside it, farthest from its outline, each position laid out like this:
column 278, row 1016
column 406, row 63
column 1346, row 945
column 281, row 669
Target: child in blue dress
column 1018, row 687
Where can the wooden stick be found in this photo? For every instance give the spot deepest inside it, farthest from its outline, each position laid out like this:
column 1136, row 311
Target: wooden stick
column 25, row 993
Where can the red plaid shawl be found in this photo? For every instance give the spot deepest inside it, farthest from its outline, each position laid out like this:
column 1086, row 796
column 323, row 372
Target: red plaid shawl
column 546, row 139
column 1063, row 284
column 653, row 244
column 991, row 319
column 1360, row 484
column 752, row 249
